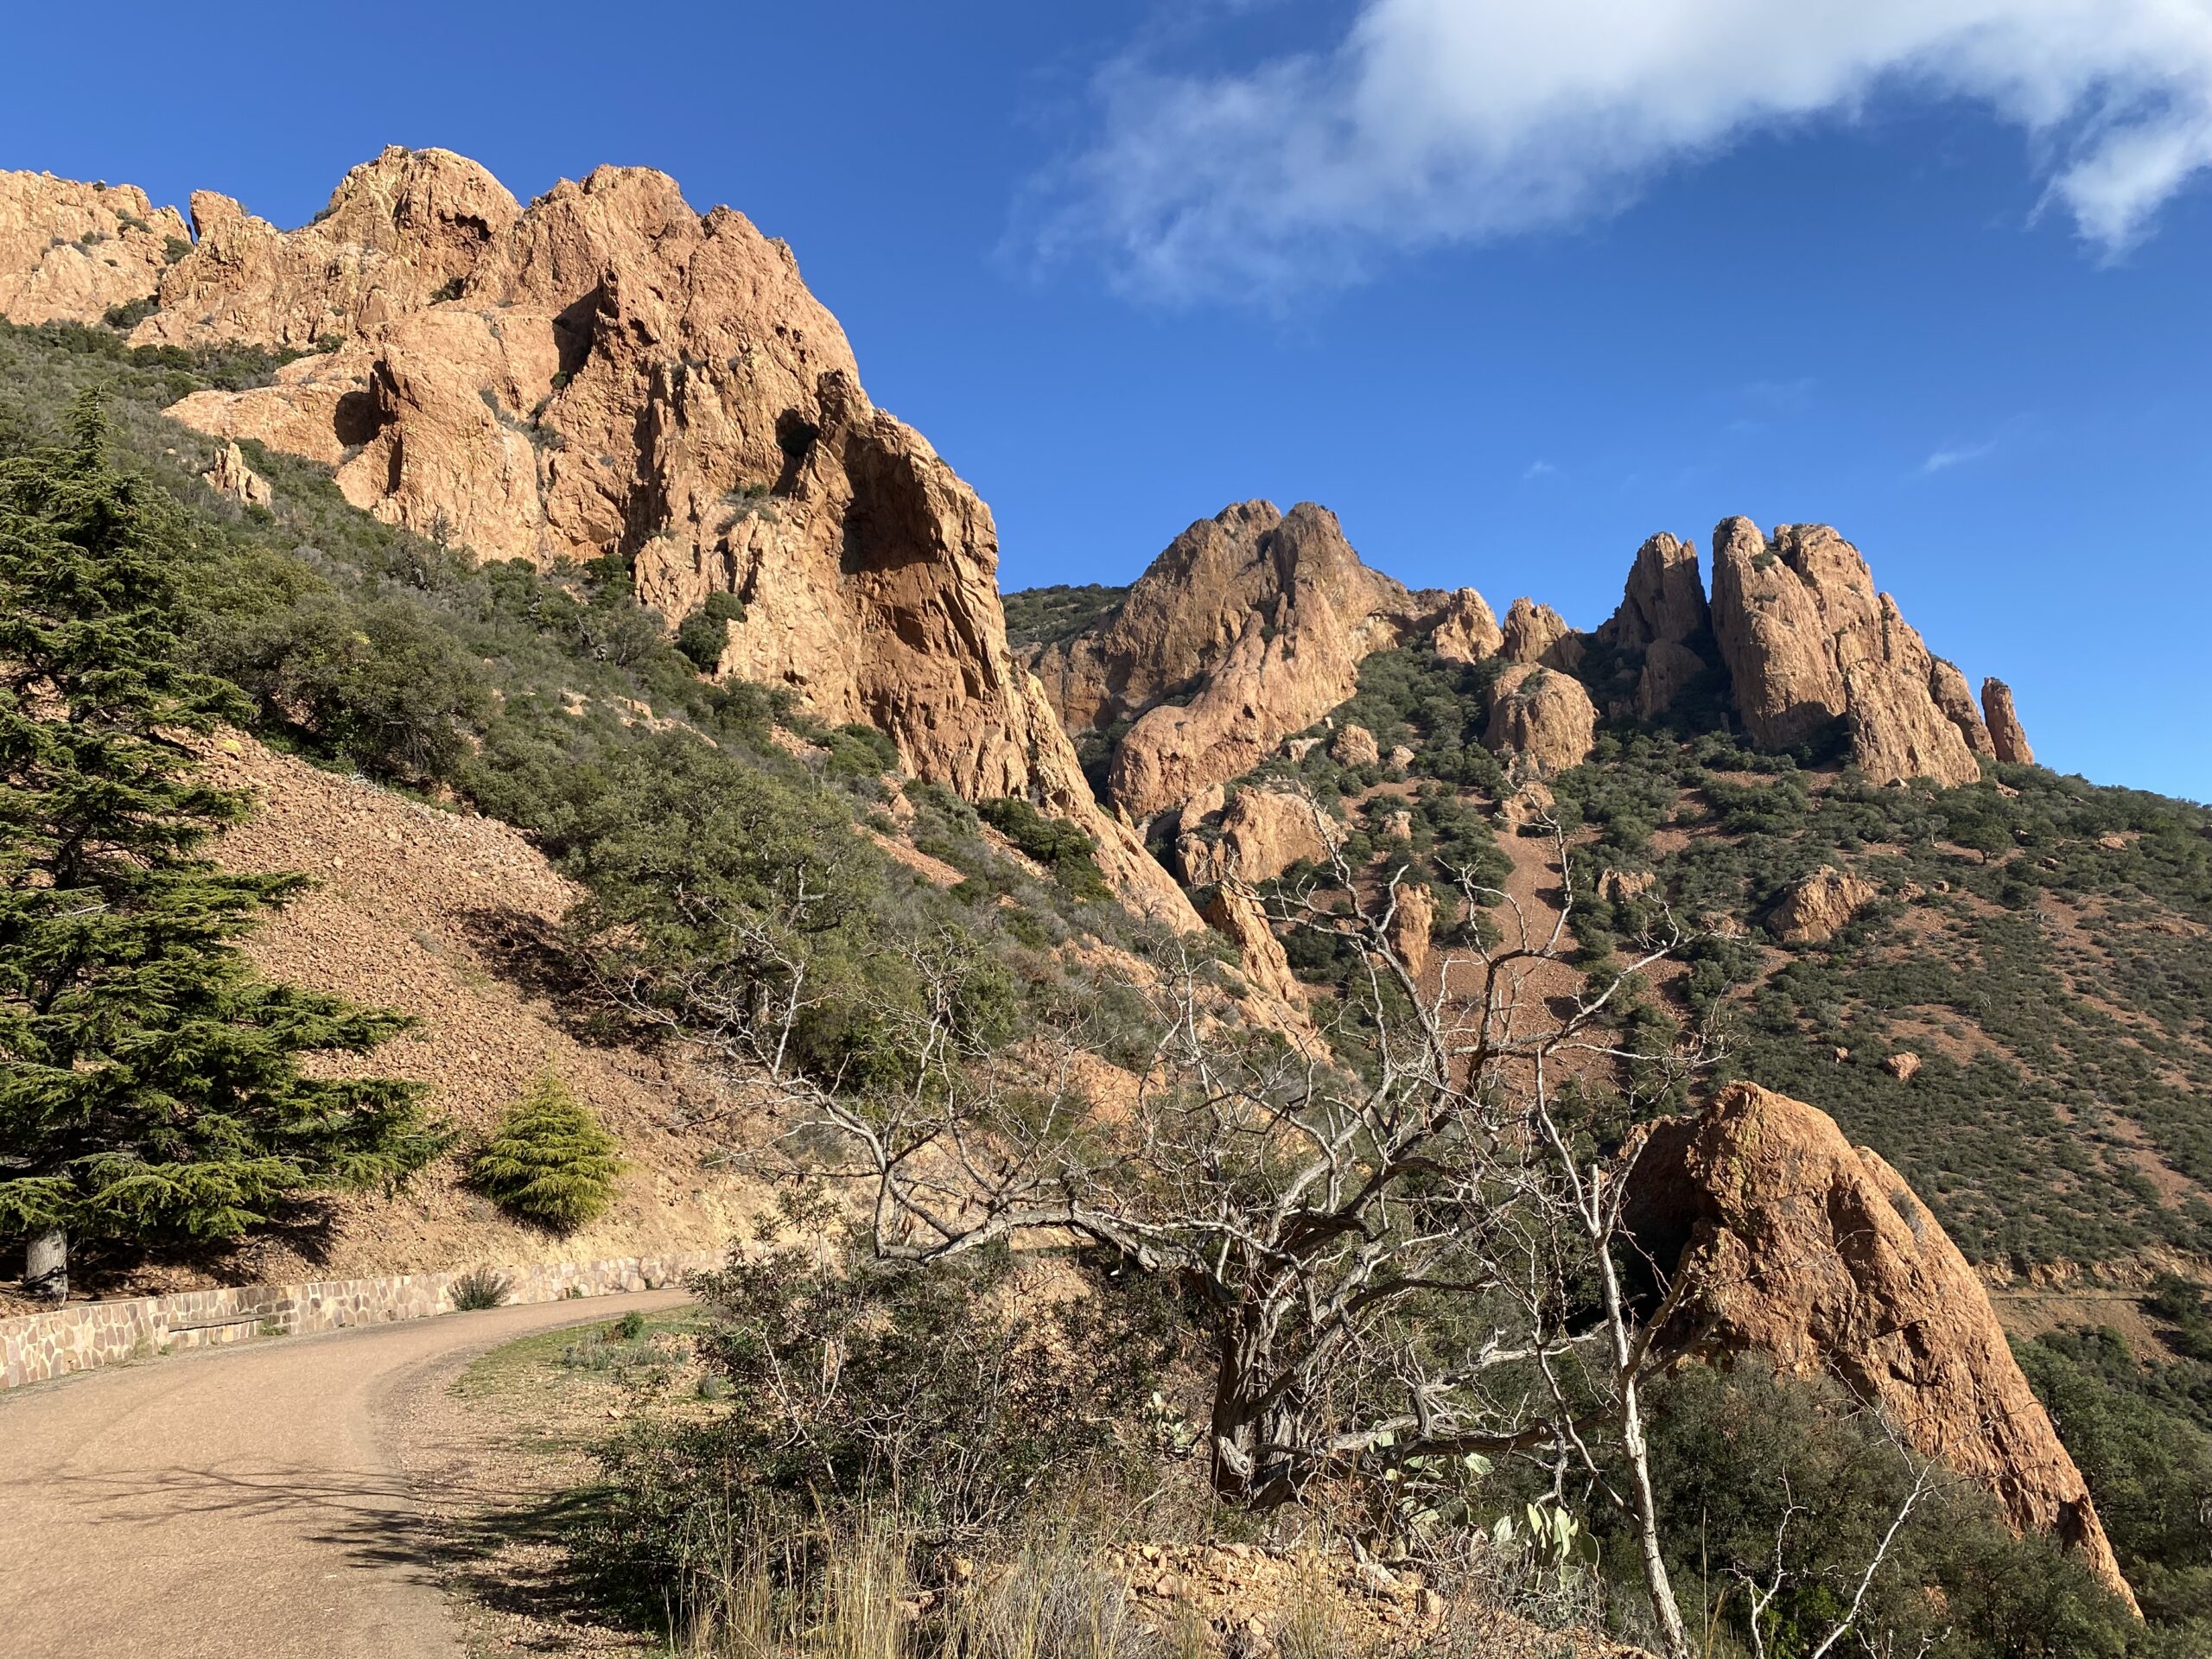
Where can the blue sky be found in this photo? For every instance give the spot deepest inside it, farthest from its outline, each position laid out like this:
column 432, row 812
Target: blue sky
column 1508, row 294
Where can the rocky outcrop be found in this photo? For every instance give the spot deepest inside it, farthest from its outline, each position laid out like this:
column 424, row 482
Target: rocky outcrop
column 606, row 372
column 1662, row 599
column 1819, row 907
column 1542, row 719
column 1466, row 631
column 1253, row 622
column 1262, row 833
column 1805, row 637
column 70, row 253
column 231, row 476
column 398, row 233
column 1355, row 745
column 1949, row 687
column 1535, row 633
column 1898, row 731
column 1663, row 609
column 1235, row 912
column 2008, row 741
column 1815, row 1254
column 1413, row 916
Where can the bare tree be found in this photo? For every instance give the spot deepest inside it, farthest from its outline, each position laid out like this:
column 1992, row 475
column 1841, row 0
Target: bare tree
column 1405, row 1245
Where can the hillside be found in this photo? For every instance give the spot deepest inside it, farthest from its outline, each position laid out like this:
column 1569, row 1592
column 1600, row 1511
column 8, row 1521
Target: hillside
column 641, row 700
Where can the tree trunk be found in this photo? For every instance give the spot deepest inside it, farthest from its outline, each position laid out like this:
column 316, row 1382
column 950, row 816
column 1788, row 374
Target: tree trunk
column 46, row 1264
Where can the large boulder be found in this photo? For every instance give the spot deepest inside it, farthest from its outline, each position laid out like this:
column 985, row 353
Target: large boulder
column 70, row 253
column 1799, row 1247
column 1819, row 907
column 1235, row 913
column 1793, row 616
column 1540, row 719
column 1262, row 833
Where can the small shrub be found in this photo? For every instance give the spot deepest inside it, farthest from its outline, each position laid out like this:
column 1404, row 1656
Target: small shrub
column 551, row 1162
column 630, row 1326
column 702, row 634
column 479, row 1288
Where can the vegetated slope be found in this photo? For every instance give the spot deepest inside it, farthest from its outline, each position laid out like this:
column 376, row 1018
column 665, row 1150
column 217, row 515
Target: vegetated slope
column 2009, row 999
column 1036, row 616
column 605, row 374
column 447, row 746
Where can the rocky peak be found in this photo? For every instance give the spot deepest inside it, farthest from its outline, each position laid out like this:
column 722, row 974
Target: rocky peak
column 1255, row 620
column 1663, row 598
column 1663, row 611
column 1807, row 641
column 69, row 252
column 1534, row 633
column 1466, row 631
column 1815, row 1252
column 608, row 372
column 2008, row 740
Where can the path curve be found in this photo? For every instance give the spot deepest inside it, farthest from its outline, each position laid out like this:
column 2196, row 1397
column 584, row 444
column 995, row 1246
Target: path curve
column 239, row 1502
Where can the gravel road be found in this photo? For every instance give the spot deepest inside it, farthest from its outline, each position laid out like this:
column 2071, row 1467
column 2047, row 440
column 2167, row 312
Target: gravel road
column 239, row 1502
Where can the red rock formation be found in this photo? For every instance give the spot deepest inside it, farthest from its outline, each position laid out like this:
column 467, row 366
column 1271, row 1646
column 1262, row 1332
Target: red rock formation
column 1662, row 608
column 2008, row 740
column 1466, row 631
column 1540, row 719
column 1819, row 907
column 1949, row 687
column 1815, row 1254
column 1261, row 619
column 1795, row 617
column 70, row 251
column 607, row 373
column 1263, row 832
column 1533, row 633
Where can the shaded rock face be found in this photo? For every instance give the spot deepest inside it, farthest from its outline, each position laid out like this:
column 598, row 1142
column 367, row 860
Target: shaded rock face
column 70, row 251
column 2008, row 740
column 1542, row 719
column 1663, row 608
column 1815, row 1254
column 608, row 372
column 1260, row 619
column 1807, row 641
column 1819, row 907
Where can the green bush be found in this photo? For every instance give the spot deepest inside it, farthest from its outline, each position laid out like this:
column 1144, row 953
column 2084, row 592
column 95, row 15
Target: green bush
column 702, row 634
column 1060, row 847
column 550, row 1163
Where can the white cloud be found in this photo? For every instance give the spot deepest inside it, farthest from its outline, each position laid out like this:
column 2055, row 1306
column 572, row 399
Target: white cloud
column 1956, row 455
column 1438, row 121
column 1538, row 468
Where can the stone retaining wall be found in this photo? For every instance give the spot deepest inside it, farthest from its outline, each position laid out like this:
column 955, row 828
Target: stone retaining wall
column 77, row 1337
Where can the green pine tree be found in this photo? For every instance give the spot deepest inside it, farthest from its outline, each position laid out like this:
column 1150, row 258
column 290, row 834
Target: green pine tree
column 150, row 1086
column 551, row 1162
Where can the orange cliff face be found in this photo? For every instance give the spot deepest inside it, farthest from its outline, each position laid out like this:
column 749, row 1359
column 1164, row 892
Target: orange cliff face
column 606, row 372
column 1815, row 1253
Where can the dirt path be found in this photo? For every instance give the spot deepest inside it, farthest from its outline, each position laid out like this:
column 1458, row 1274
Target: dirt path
column 244, row 1501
